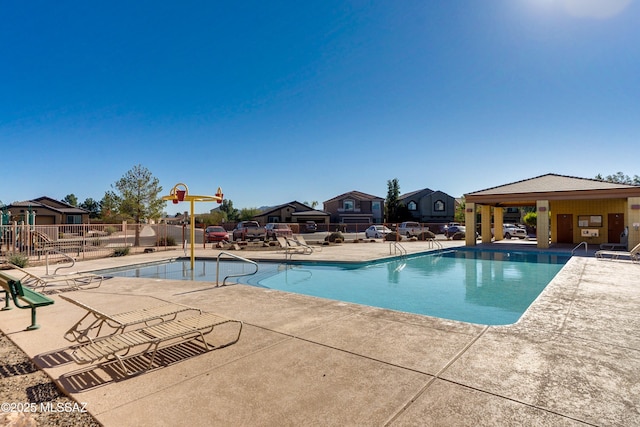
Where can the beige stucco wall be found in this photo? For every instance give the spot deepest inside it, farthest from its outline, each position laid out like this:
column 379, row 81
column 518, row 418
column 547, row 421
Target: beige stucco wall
column 577, row 208
column 542, row 223
column 470, row 224
column 498, row 220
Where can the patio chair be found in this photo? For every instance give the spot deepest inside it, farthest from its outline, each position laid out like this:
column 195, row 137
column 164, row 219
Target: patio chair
column 117, row 323
column 302, row 243
column 149, row 340
column 71, row 280
column 624, row 241
column 633, row 254
column 287, row 246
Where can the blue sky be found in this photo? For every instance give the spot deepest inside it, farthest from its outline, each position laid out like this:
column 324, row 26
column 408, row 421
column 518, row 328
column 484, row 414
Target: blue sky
column 277, row 101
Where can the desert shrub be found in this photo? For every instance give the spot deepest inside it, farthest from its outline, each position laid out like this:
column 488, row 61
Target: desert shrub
column 458, row 236
column 109, row 230
column 18, row 260
column 334, row 237
column 392, row 237
column 121, row 251
column 426, row 235
column 166, row 241
column 95, row 242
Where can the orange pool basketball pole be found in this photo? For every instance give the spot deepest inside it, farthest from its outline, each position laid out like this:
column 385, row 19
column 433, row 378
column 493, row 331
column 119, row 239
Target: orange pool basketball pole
column 180, row 193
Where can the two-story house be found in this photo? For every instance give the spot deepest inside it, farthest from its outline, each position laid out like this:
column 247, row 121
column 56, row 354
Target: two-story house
column 430, row 206
column 355, row 207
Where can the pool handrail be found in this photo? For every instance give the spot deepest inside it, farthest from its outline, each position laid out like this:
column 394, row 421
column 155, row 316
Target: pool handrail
column 586, row 247
column 433, row 242
column 255, row 264
column 397, row 248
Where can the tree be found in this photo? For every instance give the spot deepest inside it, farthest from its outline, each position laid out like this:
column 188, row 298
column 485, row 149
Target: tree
column 109, row 207
column 213, row 218
column 92, row 206
column 71, row 199
column 393, row 200
column 531, row 219
column 460, row 214
column 620, row 178
column 230, row 212
column 246, row 214
column 139, row 199
column 313, row 204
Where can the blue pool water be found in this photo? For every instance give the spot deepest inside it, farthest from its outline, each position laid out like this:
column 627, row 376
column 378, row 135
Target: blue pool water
column 485, row 287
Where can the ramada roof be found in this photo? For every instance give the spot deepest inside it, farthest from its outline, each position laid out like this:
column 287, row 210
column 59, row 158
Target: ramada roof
column 553, row 187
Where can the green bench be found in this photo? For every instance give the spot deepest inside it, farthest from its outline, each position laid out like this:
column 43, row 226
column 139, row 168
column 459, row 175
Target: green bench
column 22, row 297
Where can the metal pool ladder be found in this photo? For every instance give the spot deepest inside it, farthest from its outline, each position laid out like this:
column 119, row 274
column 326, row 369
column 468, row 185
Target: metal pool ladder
column 433, row 242
column 586, row 247
column 255, row 264
column 397, row 247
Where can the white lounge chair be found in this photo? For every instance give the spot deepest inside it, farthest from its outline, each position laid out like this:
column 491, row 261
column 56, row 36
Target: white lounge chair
column 633, row 254
column 70, row 280
column 149, row 340
column 288, row 245
column 624, row 241
column 302, row 243
column 91, row 325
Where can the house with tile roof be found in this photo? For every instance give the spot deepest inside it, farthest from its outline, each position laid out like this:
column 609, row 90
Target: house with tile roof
column 292, row 212
column 355, row 207
column 47, row 211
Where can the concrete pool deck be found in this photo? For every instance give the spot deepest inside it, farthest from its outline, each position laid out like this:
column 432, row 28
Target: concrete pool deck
column 572, row 359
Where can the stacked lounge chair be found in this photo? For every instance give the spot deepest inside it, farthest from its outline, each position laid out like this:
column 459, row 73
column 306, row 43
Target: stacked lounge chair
column 633, row 254
column 67, row 281
column 146, row 342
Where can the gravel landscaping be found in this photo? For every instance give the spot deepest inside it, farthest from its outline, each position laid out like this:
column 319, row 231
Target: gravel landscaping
column 30, row 398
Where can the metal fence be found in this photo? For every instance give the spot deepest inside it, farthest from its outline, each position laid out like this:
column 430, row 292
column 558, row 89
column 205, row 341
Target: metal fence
column 87, row 241
column 301, row 228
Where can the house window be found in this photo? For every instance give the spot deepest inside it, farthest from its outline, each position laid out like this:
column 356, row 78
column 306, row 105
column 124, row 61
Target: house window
column 412, row 206
column 375, row 206
column 348, row 205
column 74, row 219
column 438, row 206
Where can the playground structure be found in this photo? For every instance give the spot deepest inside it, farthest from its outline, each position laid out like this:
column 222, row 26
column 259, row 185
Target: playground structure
column 180, row 193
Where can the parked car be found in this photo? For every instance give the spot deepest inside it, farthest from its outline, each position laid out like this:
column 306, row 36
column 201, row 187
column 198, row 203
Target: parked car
column 411, row 228
column 453, row 229
column 451, row 224
column 512, row 230
column 249, row 230
column 376, row 231
column 276, row 229
column 215, row 233
column 310, row 227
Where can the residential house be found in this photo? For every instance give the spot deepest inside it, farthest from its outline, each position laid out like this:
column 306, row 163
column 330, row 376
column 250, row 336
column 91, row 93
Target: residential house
column 429, row 206
column 292, row 212
column 47, row 211
column 355, row 207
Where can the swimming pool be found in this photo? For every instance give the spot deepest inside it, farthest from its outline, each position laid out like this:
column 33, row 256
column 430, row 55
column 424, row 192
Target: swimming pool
column 485, row 287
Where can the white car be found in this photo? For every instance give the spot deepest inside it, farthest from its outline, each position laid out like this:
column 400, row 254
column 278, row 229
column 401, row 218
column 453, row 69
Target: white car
column 512, row 230
column 376, row 231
